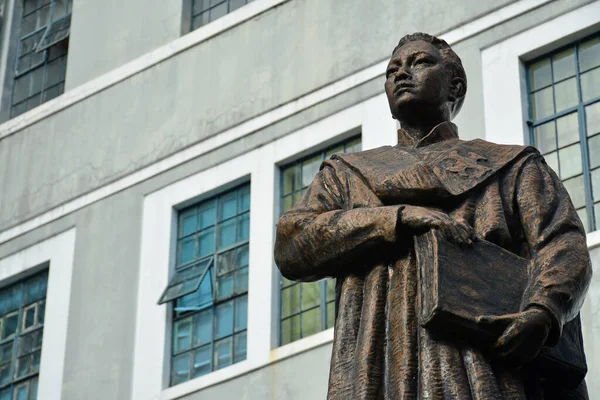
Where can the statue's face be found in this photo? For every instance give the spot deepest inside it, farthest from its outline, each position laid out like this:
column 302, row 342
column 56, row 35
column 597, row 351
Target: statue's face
column 416, row 77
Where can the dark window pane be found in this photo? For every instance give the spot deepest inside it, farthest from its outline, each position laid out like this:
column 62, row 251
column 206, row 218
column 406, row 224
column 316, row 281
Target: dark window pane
column 545, row 137
column 590, row 84
column 180, row 370
column 567, row 128
column 242, row 256
column 311, row 322
column 243, row 228
column 188, row 222
column 21, row 392
column 43, row 16
column 227, row 234
column 244, row 199
column 241, row 280
column 203, row 323
column 565, row 94
column 29, row 6
column 29, row 317
column 228, row 206
column 200, row 5
column 35, row 361
column 589, row 54
column 23, row 366
column 28, row 24
column 52, row 93
column 9, row 327
column 187, row 250
column 227, row 262
column 4, row 374
column 21, row 89
column 235, row 4
column 218, row 11
column 542, row 104
column 563, row 64
column 207, row 214
column 35, row 289
column 540, row 74
column 311, row 294
column 224, row 320
column 202, row 359
column 241, row 313
column 200, row 20
column 570, row 161
column 224, row 286
column 239, row 347
column 206, row 242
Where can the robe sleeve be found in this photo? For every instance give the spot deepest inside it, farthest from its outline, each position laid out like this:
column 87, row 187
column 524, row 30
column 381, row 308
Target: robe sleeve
column 338, row 220
column 560, row 267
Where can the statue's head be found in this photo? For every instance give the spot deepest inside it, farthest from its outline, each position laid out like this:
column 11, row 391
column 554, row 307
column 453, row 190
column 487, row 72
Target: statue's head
column 425, row 77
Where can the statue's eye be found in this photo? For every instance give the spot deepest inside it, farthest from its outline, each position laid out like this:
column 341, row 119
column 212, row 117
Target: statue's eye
column 390, row 71
column 424, row 60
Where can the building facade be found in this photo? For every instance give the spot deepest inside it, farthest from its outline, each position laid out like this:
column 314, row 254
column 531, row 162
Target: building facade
column 147, row 149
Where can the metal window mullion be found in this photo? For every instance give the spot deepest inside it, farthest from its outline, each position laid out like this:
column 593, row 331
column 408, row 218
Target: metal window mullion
column 554, row 116
column 587, row 181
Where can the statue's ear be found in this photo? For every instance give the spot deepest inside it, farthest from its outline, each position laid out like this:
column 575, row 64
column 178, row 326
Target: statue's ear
column 458, row 89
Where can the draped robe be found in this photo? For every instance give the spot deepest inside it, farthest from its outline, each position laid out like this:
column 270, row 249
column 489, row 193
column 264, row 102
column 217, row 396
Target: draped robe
column 346, row 227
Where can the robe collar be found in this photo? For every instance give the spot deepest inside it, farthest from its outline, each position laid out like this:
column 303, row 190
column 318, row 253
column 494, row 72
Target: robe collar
column 443, row 131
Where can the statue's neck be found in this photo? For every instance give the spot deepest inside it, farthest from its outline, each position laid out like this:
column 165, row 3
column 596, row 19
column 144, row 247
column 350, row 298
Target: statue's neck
column 416, row 138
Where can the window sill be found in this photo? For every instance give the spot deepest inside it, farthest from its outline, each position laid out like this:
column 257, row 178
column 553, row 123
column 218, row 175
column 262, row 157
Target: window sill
column 245, row 367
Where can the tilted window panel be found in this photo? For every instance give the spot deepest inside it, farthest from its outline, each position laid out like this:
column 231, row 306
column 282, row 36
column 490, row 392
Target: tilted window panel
column 307, row 308
column 212, row 260
column 22, row 310
column 564, row 99
column 41, row 62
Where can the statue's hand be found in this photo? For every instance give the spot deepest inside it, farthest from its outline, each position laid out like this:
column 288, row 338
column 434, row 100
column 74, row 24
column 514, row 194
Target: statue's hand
column 421, row 219
column 524, row 335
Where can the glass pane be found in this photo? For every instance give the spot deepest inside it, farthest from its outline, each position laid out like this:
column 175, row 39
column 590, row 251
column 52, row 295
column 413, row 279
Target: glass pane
column 243, row 228
column 188, row 222
column 200, row 20
column 330, row 314
column 202, row 359
column 227, row 262
column 244, row 199
column 228, row 206
column 6, row 394
column 28, row 343
column 28, row 24
column 575, row 188
column 596, row 185
column 590, row 84
column 223, row 353
column 241, row 313
column 311, row 322
column 182, row 337
column 545, row 137
column 10, row 324
column 336, row 150
column 292, row 178
column 296, row 196
column 288, row 203
column 6, row 352
column 207, row 214
column 224, row 323
column 201, row 5
column 206, row 242
column 187, row 250
column 180, row 370
column 29, row 317
column 286, row 282
column 589, row 54
column 21, row 392
column 354, row 146
column 11, row 299
column 35, row 288
column 542, row 104
column 592, row 119
column 55, row 72
column 203, row 323
column 242, row 256
column 23, row 366
column 310, row 168
column 311, row 295
column 567, row 128
column 563, row 64
column 594, row 150
column 4, row 374
column 33, row 388
column 235, row 4
column 565, row 94
column 290, row 300
column 227, row 234
column 21, row 89
column 582, row 214
column 290, row 329
column 41, row 311
column 224, row 286
column 570, row 161
column 35, row 361
column 241, row 280
column 29, row 6
column 330, row 289
column 540, row 74
column 218, row 11
column 597, row 214
column 239, row 347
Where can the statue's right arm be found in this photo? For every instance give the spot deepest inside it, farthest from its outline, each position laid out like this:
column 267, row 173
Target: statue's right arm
column 337, row 221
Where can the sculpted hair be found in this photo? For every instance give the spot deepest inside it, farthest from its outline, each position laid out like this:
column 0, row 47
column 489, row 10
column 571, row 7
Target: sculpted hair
column 451, row 60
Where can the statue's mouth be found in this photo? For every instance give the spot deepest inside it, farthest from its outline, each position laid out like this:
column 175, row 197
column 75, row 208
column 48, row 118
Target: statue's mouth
column 403, row 87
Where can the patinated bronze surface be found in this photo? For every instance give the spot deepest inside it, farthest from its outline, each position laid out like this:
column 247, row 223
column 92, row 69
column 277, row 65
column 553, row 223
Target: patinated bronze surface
column 358, row 222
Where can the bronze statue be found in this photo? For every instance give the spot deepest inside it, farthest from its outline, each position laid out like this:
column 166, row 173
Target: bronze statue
column 359, row 220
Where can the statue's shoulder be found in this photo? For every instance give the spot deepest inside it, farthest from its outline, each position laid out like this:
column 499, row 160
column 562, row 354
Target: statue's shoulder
column 491, row 154
column 366, row 158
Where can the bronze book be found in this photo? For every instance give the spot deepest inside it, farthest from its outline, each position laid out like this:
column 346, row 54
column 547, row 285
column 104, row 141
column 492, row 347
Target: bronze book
column 458, row 284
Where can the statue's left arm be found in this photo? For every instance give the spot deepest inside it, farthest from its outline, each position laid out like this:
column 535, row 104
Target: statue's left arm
column 560, row 268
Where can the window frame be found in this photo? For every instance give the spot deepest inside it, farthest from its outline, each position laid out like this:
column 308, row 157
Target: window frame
column 189, row 15
column 324, row 302
column 579, row 108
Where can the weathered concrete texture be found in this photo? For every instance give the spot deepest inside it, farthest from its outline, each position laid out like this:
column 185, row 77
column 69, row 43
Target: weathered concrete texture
column 98, row 360
column 202, row 91
column 302, row 377
column 106, row 34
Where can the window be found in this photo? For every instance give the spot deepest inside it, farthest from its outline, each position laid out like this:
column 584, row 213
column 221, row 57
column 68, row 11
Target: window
column 307, row 308
column 205, row 11
column 564, row 93
column 209, row 289
column 41, row 59
column 22, row 309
